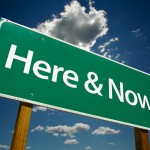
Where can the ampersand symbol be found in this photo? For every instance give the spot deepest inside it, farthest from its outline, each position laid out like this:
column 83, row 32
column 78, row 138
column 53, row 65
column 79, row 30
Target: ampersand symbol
column 97, row 90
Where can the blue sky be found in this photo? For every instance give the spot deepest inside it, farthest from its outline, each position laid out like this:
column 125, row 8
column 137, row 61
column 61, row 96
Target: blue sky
column 124, row 38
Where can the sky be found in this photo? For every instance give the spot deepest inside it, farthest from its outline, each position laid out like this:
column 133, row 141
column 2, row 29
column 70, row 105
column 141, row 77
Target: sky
column 116, row 29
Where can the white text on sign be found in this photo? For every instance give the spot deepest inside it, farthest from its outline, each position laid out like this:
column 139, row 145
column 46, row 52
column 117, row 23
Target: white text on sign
column 42, row 69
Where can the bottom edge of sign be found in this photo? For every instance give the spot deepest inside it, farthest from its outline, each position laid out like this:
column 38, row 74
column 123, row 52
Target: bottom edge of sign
column 71, row 111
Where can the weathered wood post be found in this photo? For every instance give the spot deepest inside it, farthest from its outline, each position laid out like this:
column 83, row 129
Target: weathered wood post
column 141, row 139
column 21, row 126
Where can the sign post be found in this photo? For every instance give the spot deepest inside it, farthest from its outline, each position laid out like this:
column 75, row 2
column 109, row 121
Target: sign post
column 21, row 126
column 141, row 139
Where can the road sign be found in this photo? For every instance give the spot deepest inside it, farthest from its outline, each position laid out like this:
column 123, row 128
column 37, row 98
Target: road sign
column 46, row 71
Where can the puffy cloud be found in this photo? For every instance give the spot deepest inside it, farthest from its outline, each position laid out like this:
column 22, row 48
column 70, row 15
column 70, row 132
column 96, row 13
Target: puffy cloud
column 67, row 130
column 38, row 128
column 82, row 28
column 4, row 147
column 104, row 131
column 63, row 130
column 88, row 148
column 71, row 141
column 39, row 108
column 77, row 26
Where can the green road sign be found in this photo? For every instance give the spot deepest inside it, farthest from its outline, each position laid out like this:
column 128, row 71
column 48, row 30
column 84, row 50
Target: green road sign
column 46, row 71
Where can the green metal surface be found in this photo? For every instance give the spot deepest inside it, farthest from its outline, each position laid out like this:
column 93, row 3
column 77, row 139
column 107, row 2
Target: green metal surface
column 13, row 82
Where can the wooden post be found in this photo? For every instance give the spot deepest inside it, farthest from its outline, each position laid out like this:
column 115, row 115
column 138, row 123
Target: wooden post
column 21, row 126
column 141, row 139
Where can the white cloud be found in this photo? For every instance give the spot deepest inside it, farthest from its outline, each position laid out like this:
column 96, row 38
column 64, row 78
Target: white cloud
column 38, row 128
column 63, row 130
column 104, row 46
column 104, row 131
column 137, row 33
column 108, row 52
column 88, row 148
column 39, row 108
column 111, row 143
column 28, row 147
column 77, row 26
column 4, row 147
column 71, row 141
column 67, row 130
